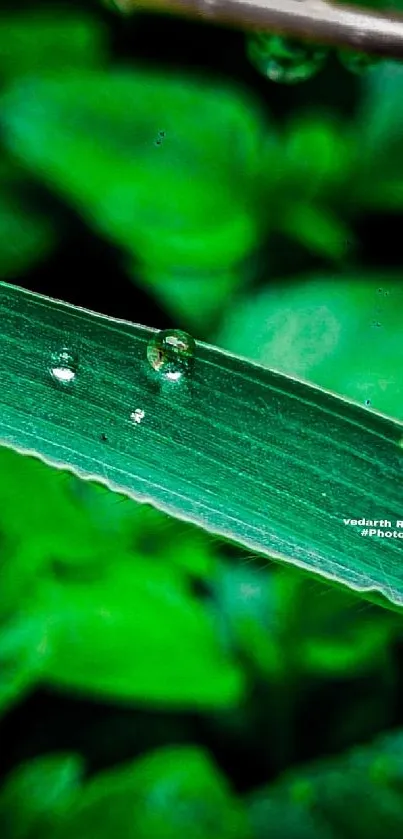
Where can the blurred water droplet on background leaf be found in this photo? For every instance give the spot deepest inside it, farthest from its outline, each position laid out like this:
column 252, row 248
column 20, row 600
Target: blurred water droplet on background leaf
column 284, row 59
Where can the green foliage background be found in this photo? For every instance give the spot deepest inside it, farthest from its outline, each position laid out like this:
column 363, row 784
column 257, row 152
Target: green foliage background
column 154, row 679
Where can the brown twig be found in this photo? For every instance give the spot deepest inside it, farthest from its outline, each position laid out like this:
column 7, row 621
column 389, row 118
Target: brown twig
column 316, row 20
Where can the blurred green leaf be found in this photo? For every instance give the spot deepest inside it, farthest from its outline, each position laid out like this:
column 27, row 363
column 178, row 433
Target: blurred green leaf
column 35, row 792
column 196, row 297
column 39, row 42
column 317, row 229
column 340, row 333
column 314, row 165
column 43, row 531
column 380, row 118
column 169, row 793
column 357, row 794
column 289, row 626
column 379, row 169
column 275, row 814
column 25, row 235
column 58, row 559
column 318, row 155
column 24, row 648
column 138, row 634
column 248, row 606
column 327, row 632
column 144, row 530
column 123, row 147
column 36, row 43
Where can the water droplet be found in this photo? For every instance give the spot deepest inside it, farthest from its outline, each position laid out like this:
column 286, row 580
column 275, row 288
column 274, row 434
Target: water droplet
column 283, row 59
column 160, row 138
column 137, row 415
column 367, row 402
column 64, row 366
column 104, row 437
column 171, row 353
column 358, row 62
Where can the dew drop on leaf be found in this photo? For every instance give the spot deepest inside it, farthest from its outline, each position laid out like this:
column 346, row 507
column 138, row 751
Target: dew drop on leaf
column 137, row 416
column 64, row 366
column 284, row 59
column 171, row 353
column 358, row 62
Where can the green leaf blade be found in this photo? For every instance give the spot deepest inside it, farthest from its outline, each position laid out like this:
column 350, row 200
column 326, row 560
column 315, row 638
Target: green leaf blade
column 263, row 459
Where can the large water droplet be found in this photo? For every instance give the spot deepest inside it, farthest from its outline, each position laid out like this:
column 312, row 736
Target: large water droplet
column 171, row 353
column 358, row 62
column 64, row 366
column 283, row 59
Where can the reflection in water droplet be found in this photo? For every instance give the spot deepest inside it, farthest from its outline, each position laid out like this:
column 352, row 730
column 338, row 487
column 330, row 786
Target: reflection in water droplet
column 171, row 353
column 137, row 415
column 64, row 366
column 283, row 59
column 358, row 62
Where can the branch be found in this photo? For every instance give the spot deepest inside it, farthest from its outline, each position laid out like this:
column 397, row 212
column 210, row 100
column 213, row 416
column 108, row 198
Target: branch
column 316, row 20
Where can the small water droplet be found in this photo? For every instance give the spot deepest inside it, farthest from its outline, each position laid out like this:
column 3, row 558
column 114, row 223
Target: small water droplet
column 160, row 138
column 171, row 353
column 358, row 62
column 104, row 437
column 367, row 402
column 64, row 366
column 283, row 59
column 137, row 415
